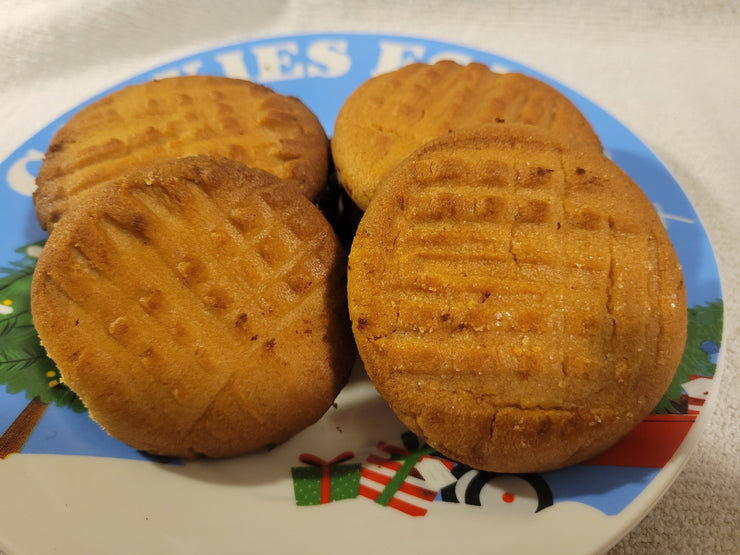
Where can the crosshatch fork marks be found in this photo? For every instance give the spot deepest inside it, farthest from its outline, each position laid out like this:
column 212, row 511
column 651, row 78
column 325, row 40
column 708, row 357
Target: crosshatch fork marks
column 470, row 277
column 268, row 285
column 111, row 158
column 174, row 232
column 462, row 278
column 172, row 118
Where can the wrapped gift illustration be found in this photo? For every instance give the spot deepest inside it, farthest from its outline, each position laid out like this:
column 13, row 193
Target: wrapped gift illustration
column 407, row 478
column 324, row 481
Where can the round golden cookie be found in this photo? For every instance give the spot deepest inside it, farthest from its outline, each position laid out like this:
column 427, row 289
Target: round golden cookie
column 175, row 117
column 390, row 115
column 517, row 304
column 197, row 307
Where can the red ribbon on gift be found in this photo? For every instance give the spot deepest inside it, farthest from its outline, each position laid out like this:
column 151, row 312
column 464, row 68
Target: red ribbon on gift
column 393, row 449
column 325, row 470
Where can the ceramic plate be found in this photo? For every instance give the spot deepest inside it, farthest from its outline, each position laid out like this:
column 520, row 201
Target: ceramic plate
column 356, row 481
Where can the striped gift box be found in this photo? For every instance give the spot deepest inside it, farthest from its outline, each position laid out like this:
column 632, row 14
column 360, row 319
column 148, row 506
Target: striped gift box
column 404, row 478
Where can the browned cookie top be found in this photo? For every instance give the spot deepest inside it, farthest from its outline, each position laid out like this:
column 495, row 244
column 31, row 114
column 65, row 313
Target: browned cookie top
column 196, row 307
column 518, row 304
column 390, row 115
column 181, row 116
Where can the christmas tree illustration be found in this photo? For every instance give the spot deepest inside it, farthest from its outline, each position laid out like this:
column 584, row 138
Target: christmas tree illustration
column 699, row 357
column 24, row 366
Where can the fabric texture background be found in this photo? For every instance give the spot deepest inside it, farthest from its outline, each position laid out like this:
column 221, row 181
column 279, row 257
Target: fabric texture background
column 668, row 70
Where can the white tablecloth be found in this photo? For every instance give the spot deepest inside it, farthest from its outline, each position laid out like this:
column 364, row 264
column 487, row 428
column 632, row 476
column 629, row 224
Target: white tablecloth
column 668, row 70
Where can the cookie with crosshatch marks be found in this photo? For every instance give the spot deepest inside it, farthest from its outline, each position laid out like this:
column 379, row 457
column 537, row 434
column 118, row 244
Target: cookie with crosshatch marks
column 197, row 307
column 175, row 117
column 390, row 115
column 518, row 304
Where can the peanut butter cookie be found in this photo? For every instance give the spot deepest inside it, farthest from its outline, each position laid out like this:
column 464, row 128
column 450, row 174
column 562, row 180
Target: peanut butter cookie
column 517, row 303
